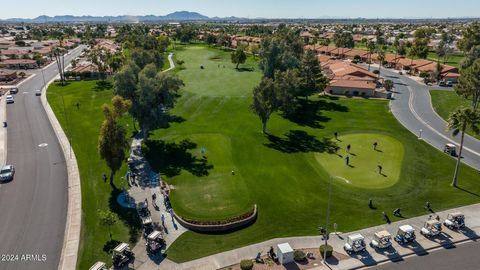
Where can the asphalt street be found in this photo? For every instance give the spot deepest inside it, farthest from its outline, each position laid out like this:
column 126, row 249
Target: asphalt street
column 33, row 206
column 462, row 257
column 412, row 106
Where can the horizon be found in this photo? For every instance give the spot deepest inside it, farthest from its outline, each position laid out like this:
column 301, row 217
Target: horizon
column 249, row 9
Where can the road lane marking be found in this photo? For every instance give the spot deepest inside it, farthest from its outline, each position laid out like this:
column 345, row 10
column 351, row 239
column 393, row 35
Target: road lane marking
column 410, row 105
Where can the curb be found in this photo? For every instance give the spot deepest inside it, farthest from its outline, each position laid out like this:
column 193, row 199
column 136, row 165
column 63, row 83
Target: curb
column 71, row 240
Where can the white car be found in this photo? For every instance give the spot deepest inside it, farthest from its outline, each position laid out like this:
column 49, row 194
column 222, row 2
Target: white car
column 9, row 99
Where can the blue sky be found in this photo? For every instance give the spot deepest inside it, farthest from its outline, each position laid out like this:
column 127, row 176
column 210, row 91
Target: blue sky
column 247, row 8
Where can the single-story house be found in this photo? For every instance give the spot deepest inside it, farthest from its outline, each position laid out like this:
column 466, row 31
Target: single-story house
column 19, row 63
column 7, row 75
column 354, row 52
column 451, row 77
column 351, row 87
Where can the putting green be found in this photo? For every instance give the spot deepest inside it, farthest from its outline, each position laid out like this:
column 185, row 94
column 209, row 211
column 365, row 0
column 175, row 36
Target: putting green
column 363, row 170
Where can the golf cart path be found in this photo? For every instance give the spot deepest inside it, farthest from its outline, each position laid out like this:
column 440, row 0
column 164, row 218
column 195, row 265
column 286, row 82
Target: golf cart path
column 412, row 106
column 421, row 247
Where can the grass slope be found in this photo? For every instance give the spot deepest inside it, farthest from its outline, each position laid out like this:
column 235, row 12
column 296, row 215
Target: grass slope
column 445, row 102
column 83, row 129
column 280, row 172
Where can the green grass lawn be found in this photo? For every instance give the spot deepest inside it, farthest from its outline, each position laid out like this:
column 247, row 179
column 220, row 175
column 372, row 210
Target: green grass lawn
column 362, row 170
column 285, row 173
column 455, row 59
column 83, row 129
column 445, row 102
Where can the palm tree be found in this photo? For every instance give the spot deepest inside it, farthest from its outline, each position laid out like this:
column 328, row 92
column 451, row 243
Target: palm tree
column 458, row 122
column 381, row 58
column 371, row 49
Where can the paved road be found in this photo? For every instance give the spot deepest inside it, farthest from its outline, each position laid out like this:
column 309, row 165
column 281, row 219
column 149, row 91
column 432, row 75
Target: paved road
column 33, row 206
column 413, row 108
column 464, row 257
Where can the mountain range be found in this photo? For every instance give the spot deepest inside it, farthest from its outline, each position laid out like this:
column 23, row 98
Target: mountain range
column 175, row 16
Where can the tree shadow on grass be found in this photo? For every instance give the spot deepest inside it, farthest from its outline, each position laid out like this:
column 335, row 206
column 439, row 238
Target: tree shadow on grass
column 299, row 141
column 309, row 112
column 110, row 245
column 171, row 158
column 126, row 215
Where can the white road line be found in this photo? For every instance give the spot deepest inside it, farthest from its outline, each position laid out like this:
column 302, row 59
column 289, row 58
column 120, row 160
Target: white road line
column 410, row 105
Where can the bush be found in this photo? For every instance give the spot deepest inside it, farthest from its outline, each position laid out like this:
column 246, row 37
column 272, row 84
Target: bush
column 299, row 256
column 329, row 250
column 246, row 264
column 388, row 84
column 376, row 71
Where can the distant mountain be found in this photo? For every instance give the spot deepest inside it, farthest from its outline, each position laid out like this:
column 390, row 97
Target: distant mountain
column 176, row 16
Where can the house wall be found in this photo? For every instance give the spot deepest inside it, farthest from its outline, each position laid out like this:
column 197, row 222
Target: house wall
column 350, row 91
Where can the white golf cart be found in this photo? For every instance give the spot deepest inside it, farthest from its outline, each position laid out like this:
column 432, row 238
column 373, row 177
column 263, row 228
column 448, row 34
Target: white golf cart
column 455, row 221
column 431, row 228
column 381, row 240
column 144, row 214
column 450, row 149
column 154, row 242
column 405, row 234
column 355, row 243
column 99, row 266
column 121, row 255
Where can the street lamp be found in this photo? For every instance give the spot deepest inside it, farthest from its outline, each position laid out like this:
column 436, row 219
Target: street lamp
column 420, row 135
column 327, row 220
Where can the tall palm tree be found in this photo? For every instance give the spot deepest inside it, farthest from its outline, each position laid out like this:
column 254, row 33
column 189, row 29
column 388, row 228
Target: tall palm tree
column 381, row 58
column 371, row 49
column 458, row 122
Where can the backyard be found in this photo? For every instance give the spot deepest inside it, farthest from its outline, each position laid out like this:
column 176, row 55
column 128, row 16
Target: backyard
column 286, row 173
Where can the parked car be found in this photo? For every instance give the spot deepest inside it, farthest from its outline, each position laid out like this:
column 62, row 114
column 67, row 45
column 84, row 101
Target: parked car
column 13, row 90
column 442, row 83
column 38, row 92
column 449, row 84
column 9, row 99
column 6, row 173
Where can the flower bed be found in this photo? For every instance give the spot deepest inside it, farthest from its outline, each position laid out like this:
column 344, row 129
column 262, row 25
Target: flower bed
column 229, row 224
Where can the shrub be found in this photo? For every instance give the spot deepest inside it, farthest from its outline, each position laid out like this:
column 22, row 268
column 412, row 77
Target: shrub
column 329, row 250
column 299, row 256
column 388, row 84
column 246, row 264
column 376, row 71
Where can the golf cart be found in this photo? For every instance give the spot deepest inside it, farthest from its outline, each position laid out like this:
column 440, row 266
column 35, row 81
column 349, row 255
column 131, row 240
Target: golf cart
column 405, row 234
column 455, row 221
column 154, row 242
column 355, row 243
column 121, row 256
column 144, row 214
column 431, row 228
column 450, row 149
column 381, row 240
column 99, row 266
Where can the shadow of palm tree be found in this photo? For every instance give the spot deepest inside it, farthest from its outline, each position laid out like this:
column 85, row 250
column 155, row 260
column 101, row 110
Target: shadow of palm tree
column 309, row 112
column 171, row 158
column 296, row 141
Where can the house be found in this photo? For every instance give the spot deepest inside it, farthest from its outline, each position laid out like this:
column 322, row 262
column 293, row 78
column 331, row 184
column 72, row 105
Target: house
column 391, row 60
column 351, row 87
column 7, row 75
column 19, row 63
column 451, row 77
column 350, row 79
column 354, row 52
